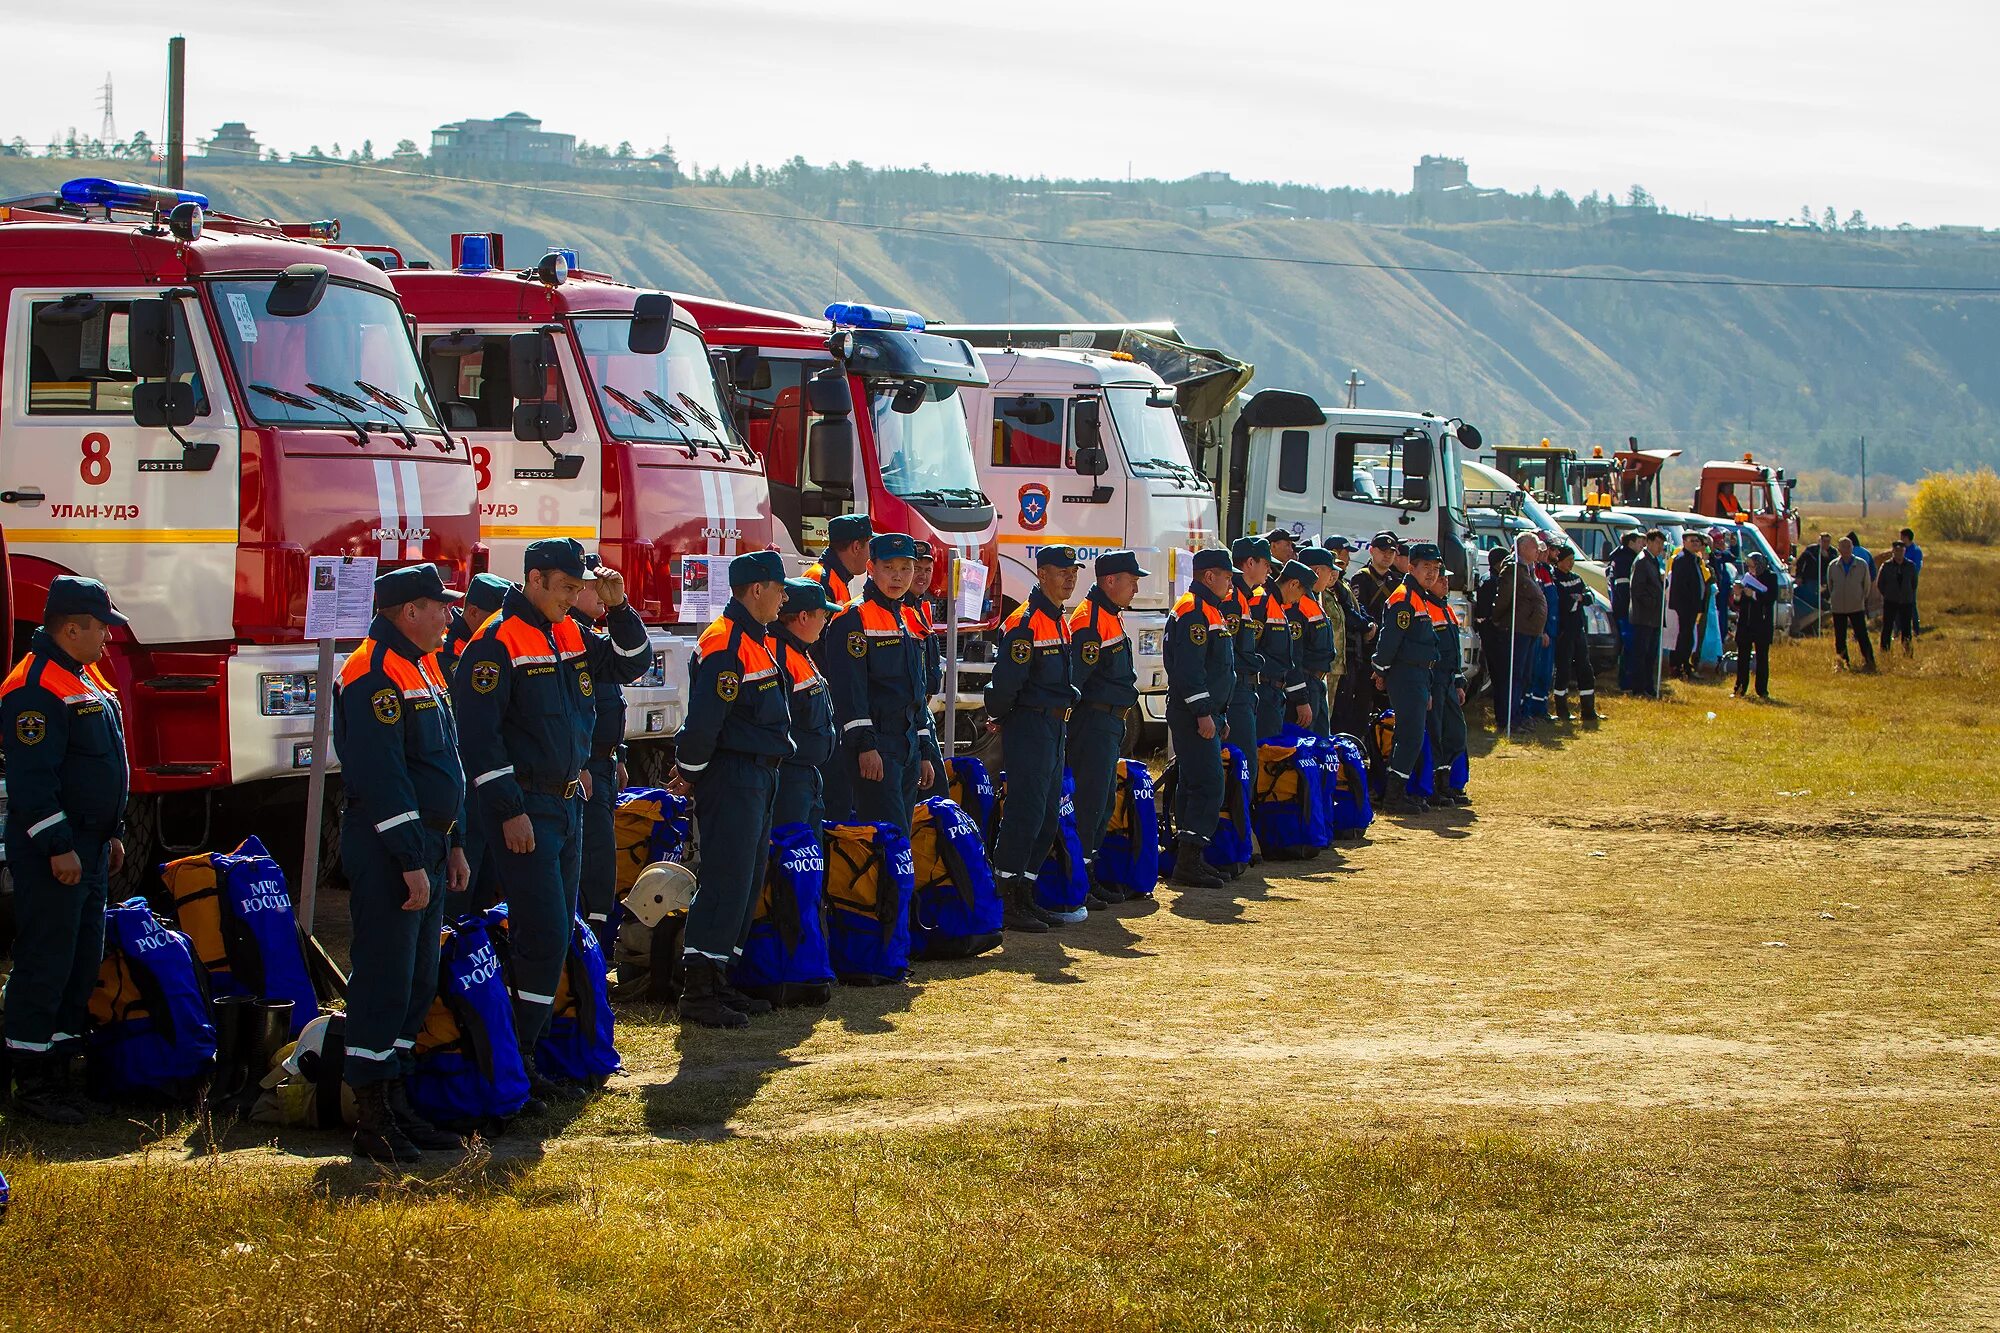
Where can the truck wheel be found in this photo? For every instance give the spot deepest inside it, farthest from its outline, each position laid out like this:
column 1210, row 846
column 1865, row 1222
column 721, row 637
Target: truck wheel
column 650, row 764
column 140, row 874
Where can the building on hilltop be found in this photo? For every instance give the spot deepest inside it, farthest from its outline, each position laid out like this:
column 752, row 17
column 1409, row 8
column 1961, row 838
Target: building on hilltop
column 516, row 139
column 233, row 142
column 1435, row 175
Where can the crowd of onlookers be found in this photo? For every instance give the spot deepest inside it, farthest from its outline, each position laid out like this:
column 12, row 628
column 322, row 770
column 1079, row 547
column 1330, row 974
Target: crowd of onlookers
column 1676, row 615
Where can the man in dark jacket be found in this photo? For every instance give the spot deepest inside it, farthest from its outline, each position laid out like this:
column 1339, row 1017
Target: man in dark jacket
column 1620, row 569
column 1756, row 598
column 1649, row 614
column 1522, row 609
column 1897, row 582
column 1495, row 645
column 1687, row 593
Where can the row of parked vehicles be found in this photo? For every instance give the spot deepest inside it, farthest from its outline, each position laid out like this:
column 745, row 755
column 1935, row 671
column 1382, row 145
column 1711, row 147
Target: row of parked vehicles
column 193, row 405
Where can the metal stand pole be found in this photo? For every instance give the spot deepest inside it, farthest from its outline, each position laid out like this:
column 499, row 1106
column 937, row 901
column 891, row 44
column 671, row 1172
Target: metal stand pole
column 949, row 740
column 323, row 687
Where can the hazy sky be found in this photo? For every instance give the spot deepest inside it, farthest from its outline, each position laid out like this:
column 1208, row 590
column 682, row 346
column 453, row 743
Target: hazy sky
column 1751, row 107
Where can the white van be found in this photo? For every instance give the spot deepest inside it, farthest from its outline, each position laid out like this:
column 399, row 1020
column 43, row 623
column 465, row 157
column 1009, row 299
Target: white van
column 1083, row 448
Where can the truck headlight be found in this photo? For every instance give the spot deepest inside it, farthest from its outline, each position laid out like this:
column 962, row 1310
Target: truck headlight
column 1149, row 643
column 287, row 693
column 1597, row 622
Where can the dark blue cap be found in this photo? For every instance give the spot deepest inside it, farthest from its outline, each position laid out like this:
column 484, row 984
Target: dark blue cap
column 73, row 596
column 1212, row 558
column 487, row 593
column 1336, row 542
column 412, row 583
column 1317, row 556
column 1282, row 535
column 923, row 548
column 756, row 567
column 1055, row 557
column 1425, row 551
column 803, row 595
column 561, row 554
column 1387, row 541
column 892, row 546
column 1300, row 572
column 1120, row 562
column 847, row 528
column 1249, row 548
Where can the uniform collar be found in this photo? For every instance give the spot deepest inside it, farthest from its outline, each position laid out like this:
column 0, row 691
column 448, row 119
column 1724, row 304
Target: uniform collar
column 740, row 615
column 1097, row 596
column 789, row 639
column 384, row 632
column 1236, row 578
column 1202, row 594
column 44, row 643
column 876, row 595
column 518, row 605
column 1039, row 601
column 833, row 561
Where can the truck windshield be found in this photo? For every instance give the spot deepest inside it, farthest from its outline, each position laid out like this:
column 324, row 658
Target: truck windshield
column 669, row 398
column 1151, row 435
column 348, row 359
column 925, row 454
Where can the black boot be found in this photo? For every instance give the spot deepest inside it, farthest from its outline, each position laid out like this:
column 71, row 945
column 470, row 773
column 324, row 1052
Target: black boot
column 1398, row 801
column 1015, row 894
column 701, row 997
column 748, row 1005
column 1111, row 893
column 1562, row 706
column 38, row 1091
column 549, row 1091
column 1053, row 920
column 415, row 1128
column 377, row 1136
column 1590, row 713
column 70, row 1086
column 1191, row 869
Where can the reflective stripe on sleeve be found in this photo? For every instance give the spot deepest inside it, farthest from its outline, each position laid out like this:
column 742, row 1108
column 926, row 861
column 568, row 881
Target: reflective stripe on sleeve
column 487, row 777
column 531, row 998
column 408, row 816
column 858, row 722
column 53, row 820
column 633, row 651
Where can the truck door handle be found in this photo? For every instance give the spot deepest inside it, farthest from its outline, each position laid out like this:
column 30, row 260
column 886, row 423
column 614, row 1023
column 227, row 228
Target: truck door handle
column 26, row 498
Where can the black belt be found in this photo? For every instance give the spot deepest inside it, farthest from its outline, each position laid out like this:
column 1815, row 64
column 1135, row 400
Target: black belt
column 565, row 791
column 1250, row 678
column 439, row 824
column 1059, row 714
column 1116, row 710
column 609, row 752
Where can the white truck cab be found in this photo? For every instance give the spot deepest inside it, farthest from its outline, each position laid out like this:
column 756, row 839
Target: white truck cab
column 1082, row 447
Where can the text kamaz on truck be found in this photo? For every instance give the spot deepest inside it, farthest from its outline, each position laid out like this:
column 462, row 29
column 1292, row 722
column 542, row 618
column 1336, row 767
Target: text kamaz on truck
column 191, row 406
column 860, row 413
column 592, row 412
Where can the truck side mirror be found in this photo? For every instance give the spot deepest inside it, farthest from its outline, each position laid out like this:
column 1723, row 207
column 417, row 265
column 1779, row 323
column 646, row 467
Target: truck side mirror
column 530, row 358
column 750, row 370
column 165, row 403
column 652, row 324
column 149, row 337
column 297, row 291
column 1417, row 451
column 830, row 455
column 540, row 422
column 1468, row 435
column 1090, row 461
column 1030, row 411
column 828, row 393
column 1089, row 425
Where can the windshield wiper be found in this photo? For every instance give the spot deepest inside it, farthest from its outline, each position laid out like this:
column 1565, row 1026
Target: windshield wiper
column 628, row 402
column 675, row 418
column 398, row 409
column 290, row 399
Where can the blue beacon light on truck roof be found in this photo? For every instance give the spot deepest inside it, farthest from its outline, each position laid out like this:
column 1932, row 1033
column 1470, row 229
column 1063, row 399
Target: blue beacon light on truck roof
column 854, row 315
column 95, row 190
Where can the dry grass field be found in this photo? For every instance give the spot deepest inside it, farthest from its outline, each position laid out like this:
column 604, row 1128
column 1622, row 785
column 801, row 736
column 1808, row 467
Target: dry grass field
column 1693, row 1023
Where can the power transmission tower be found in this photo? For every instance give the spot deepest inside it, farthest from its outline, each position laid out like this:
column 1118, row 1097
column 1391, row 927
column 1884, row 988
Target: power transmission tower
column 109, row 132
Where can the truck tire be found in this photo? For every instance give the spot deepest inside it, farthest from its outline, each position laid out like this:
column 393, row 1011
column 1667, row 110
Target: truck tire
column 140, row 874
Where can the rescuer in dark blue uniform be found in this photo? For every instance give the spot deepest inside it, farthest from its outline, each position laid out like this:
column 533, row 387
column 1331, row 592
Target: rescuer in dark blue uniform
column 1029, row 696
column 1620, row 569
column 1294, row 700
column 1244, row 610
column 402, row 846
column 1201, row 676
column 801, row 622
column 1322, row 632
column 847, row 551
column 598, row 891
column 1405, row 661
column 482, row 601
column 1107, row 686
column 736, row 735
column 526, row 699
column 876, row 667
column 67, row 780
column 1447, row 720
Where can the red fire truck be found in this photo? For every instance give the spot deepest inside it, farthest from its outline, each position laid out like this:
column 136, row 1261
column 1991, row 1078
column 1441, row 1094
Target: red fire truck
column 859, row 412
column 592, row 411
column 191, row 405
